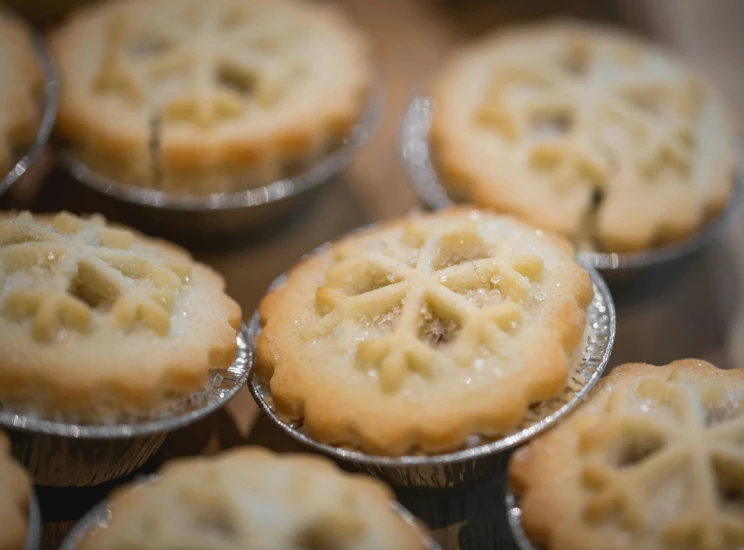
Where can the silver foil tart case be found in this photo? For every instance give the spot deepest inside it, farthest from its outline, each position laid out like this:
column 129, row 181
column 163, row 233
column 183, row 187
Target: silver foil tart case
column 479, row 462
column 48, row 115
column 100, row 515
column 219, row 214
column 417, row 159
column 514, row 516
column 34, row 527
column 61, row 454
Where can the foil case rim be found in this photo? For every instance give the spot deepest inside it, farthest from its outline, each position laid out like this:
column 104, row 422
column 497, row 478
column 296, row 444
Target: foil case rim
column 285, row 188
column 232, row 378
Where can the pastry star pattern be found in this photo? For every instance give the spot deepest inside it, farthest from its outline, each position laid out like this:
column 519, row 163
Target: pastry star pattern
column 427, row 297
column 80, row 266
column 699, row 433
column 558, row 109
column 219, row 53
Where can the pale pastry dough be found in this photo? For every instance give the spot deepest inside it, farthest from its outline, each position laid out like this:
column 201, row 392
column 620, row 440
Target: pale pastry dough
column 585, row 131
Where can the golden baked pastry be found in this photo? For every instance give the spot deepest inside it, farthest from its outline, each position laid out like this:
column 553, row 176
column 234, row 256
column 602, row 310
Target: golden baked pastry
column 654, row 461
column 585, row 131
column 253, row 498
column 98, row 318
column 15, row 494
column 413, row 335
column 21, row 84
column 201, row 96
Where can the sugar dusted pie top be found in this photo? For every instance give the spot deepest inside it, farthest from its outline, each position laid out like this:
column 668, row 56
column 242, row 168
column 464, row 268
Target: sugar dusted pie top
column 654, row 461
column 20, row 84
column 585, row 131
column 423, row 331
column 252, row 498
column 15, row 493
column 203, row 96
column 93, row 315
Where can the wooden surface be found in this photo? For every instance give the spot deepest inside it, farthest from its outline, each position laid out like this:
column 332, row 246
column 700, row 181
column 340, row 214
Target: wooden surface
column 688, row 309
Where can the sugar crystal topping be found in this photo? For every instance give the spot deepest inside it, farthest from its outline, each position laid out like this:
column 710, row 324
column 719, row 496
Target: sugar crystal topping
column 58, row 276
column 447, row 289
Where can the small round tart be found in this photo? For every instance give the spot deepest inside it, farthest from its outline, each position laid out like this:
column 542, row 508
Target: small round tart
column 654, row 461
column 584, row 131
column 253, row 498
column 21, row 82
column 97, row 320
column 15, row 494
column 416, row 334
column 202, row 96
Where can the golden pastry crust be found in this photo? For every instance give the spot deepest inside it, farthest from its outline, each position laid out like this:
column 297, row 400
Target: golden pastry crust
column 418, row 333
column 253, row 498
column 585, row 131
column 21, row 84
column 653, row 461
column 15, row 494
column 201, row 96
column 98, row 318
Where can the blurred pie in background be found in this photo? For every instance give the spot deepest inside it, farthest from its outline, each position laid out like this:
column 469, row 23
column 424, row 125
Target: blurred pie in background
column 586, row 131
column 197, row 96
column 21, row 87
column 15, row 493
column 253, row 498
